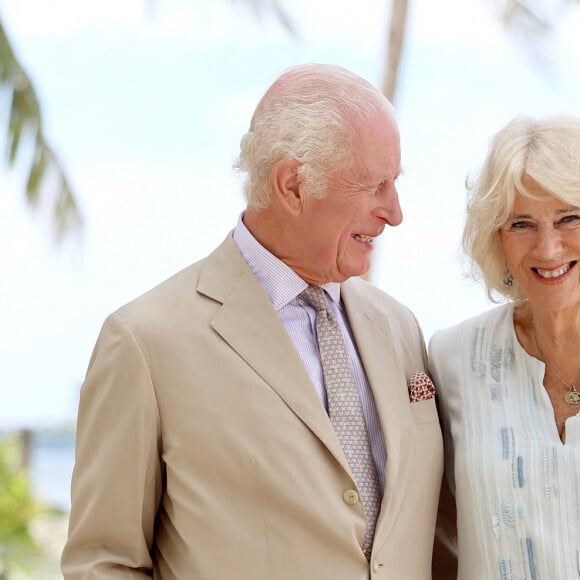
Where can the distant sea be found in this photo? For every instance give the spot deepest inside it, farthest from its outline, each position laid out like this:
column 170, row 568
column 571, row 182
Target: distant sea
column 52, row 456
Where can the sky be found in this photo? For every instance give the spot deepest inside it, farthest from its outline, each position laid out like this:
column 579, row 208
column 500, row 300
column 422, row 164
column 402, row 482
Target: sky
column 145, row 101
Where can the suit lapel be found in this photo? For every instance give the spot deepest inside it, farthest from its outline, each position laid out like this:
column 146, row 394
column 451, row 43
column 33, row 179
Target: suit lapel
column 385, row 371
column 248, row 322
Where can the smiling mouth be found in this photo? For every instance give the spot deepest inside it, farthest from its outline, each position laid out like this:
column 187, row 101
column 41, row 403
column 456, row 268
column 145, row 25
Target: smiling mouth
column 551, row 274
column 363, row 238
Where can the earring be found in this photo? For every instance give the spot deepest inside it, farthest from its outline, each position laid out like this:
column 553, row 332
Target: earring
column 509, row 279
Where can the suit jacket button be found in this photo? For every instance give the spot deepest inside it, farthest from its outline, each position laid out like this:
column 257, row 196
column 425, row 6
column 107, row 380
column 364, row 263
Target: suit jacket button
column 350, row 496
column 376, row 565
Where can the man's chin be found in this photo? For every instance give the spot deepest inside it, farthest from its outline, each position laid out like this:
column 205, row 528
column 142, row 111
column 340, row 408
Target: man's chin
column 355, row 272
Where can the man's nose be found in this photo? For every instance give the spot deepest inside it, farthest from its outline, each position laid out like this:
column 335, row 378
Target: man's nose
column 393, row 208
column 390, row 209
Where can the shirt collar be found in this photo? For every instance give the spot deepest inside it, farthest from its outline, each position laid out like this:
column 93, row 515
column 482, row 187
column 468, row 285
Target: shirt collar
column 279, row 281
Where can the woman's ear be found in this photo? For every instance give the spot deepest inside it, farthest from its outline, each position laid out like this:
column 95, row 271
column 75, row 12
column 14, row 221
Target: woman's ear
column 286, row 185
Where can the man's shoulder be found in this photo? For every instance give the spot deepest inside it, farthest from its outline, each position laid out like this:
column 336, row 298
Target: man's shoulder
column 168, row 296
column 366, row 292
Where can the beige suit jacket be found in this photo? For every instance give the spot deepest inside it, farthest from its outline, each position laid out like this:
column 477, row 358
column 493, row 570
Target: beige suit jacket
column 204, row 452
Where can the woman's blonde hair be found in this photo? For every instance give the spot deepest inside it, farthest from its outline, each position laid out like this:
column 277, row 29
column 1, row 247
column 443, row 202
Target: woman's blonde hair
column 525, row 156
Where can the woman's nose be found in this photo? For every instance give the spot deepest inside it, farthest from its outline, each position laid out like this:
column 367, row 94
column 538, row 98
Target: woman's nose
column 549, row 242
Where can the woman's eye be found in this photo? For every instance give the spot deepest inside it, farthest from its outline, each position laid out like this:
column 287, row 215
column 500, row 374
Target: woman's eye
column 520, row 225
column 570, row 219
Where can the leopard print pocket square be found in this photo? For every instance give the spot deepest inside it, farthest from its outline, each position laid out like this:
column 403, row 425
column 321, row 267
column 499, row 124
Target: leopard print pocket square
column 421, row 387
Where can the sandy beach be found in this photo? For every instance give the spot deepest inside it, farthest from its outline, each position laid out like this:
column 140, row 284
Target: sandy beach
column 49, row 531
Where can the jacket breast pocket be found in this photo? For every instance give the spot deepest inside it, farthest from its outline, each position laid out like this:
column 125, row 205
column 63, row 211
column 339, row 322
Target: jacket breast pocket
column 425, row 411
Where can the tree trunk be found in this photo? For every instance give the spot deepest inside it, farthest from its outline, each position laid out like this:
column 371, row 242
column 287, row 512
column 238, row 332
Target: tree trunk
column 394, row 45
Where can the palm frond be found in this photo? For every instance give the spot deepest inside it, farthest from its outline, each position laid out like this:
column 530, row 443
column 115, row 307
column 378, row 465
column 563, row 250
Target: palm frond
column 25, row 130
column 534, row 23
column 260, row 7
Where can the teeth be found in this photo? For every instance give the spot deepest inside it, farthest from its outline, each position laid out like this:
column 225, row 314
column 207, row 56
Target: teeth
column 363, row 238
column 553, row 273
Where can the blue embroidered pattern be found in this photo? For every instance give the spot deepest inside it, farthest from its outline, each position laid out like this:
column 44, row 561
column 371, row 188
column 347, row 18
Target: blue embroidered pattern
column 531, row 532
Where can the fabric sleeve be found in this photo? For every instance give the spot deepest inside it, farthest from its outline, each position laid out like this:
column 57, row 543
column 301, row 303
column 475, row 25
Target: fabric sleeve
column 117, row 478
column 445, row 553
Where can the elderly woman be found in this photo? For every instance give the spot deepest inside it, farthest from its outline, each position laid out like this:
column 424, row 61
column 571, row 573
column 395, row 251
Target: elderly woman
column 509, row 379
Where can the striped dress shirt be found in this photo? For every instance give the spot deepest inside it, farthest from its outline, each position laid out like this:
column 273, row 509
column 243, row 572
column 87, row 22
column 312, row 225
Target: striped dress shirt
column 283, row 285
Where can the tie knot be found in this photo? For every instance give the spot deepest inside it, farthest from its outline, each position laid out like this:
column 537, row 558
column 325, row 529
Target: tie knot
column 314, row 295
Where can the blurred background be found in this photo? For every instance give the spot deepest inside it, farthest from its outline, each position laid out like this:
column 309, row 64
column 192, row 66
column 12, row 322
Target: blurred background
column 119, row 122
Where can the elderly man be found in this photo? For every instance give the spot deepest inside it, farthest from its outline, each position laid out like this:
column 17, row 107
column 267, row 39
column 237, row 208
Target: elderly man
column 263, row 414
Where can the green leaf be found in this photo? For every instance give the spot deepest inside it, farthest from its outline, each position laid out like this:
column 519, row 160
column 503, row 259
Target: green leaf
column 25, row 130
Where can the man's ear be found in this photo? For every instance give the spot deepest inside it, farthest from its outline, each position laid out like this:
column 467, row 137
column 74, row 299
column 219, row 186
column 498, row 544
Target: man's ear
column 286, row 185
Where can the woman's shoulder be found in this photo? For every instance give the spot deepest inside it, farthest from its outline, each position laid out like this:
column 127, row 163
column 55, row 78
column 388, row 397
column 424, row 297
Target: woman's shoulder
column 454, row 350
column 456, row 335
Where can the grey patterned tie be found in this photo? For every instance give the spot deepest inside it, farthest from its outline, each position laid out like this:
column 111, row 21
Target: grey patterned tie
column 345, row 409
